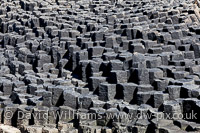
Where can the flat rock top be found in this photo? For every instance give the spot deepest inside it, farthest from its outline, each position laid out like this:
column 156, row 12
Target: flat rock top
column 8, row 129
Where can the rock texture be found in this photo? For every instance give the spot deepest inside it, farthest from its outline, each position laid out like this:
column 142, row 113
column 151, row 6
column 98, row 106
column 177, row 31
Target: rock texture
column 99, row 66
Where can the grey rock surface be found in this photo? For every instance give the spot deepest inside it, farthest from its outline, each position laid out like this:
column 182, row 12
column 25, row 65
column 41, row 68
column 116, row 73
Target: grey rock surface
column 99, row 66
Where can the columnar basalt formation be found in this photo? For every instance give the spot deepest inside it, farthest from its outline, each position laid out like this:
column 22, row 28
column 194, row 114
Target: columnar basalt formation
column 99, row 66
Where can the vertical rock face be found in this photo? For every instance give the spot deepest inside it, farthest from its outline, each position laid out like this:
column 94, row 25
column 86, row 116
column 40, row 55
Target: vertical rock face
column 99, row 66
